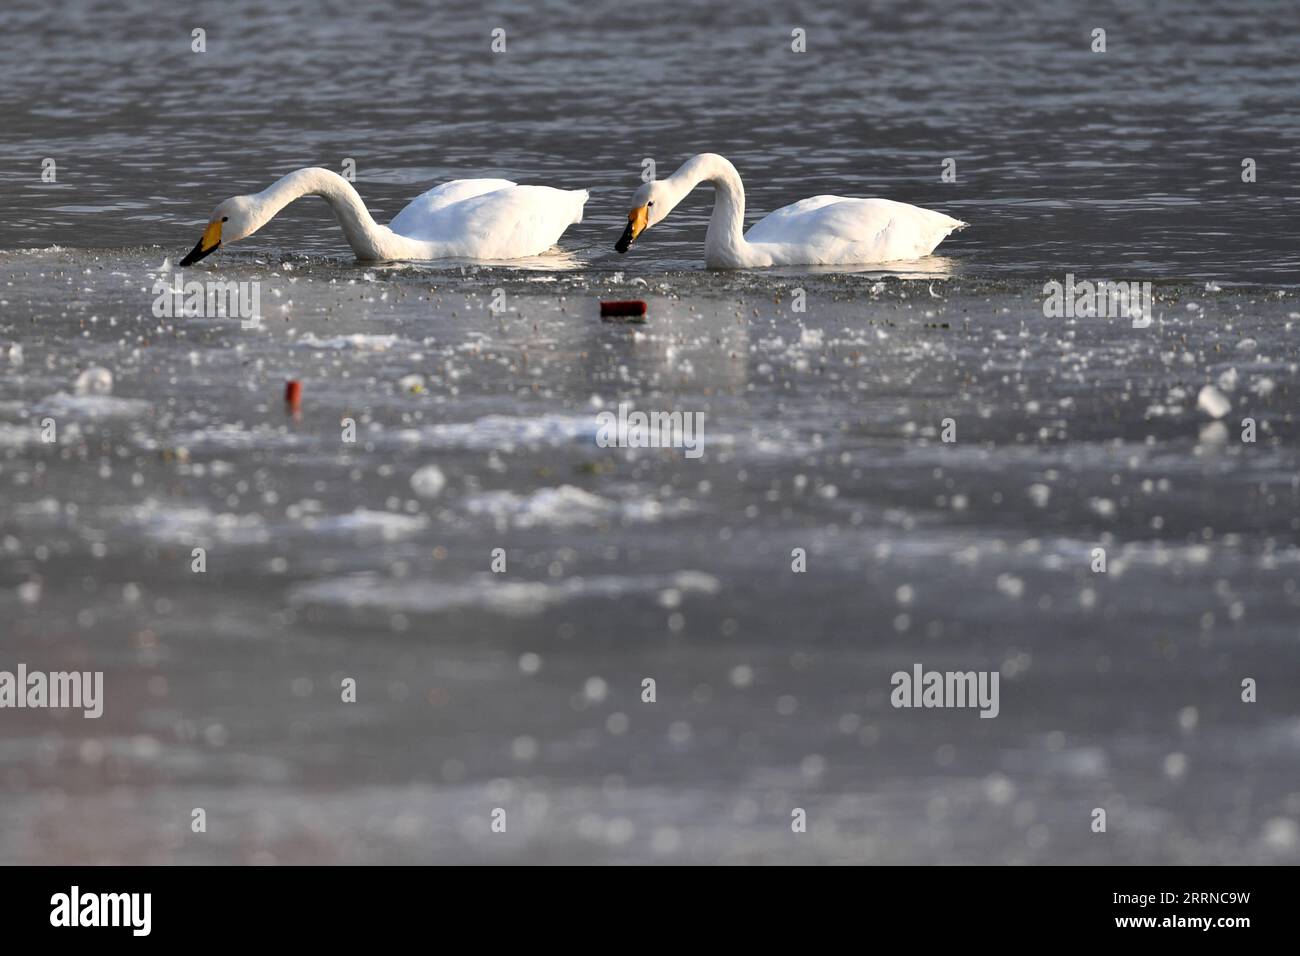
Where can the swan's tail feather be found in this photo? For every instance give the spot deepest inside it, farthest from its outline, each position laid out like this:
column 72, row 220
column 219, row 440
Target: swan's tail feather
column 583, row 195
column 949, row 223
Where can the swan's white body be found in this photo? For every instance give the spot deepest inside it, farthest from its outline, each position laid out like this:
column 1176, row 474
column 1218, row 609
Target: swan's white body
column 462, row 219
column 823, row 230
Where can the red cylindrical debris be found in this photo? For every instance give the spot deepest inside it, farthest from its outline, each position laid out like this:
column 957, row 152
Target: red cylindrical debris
column 623, row 307
column 293, row 394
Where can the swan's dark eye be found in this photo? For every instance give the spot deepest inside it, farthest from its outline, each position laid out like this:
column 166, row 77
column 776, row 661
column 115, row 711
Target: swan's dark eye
column 649, row 204
column 225, row 219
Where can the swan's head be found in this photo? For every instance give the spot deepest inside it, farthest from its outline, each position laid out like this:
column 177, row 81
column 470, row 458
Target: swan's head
column 231, row 221
column 649, row 206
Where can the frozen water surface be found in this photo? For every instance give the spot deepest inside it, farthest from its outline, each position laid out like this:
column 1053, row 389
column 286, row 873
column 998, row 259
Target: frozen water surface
column 823, row 431
column 522, row 690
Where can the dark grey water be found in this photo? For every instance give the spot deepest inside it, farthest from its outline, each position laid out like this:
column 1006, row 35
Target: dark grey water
column 1124, row 161
column 522, row 691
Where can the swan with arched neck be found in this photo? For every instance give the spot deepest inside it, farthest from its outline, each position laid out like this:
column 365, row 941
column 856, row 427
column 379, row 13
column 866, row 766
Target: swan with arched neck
column 823, row 230
column 463, row 219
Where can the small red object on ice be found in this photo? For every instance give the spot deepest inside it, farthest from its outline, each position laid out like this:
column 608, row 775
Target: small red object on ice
column 622, row 307
column 293, row 394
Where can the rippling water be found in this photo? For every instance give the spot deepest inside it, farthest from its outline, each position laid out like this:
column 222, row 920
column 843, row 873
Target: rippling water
column 1123, row 162
column 522, row 690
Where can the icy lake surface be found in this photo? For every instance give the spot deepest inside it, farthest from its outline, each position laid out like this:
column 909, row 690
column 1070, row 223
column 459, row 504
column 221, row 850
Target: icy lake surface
column 476, row 429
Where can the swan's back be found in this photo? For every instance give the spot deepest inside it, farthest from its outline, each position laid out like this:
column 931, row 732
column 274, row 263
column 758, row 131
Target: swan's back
column 831, row 229
column 490, row 218
column 420, row 210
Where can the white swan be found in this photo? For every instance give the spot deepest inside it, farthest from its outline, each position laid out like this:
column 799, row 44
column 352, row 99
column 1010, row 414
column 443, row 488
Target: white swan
column 462, row 219
column 823, row 230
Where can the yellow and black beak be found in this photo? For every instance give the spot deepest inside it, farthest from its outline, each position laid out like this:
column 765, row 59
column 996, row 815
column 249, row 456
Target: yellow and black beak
column 636, row 223
column 206, row 245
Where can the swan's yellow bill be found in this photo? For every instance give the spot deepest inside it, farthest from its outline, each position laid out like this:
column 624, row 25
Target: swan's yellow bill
column 636, row 223
column 206, row 245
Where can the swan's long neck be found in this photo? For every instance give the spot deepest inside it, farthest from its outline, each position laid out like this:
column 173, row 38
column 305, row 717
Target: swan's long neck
column 724, row 244
column 366, row 237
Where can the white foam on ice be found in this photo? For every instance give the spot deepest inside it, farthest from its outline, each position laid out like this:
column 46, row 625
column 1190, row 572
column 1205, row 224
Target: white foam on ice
column 192, row 525
column 562, row 507
column 505, row 432
column 91, row 406
column 364, row 521
column 489, row 592
column 357, row 342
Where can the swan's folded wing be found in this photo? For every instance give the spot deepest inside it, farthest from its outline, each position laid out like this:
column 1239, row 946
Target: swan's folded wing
column 839, row 229
column 509, row 223
column 417, row 217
